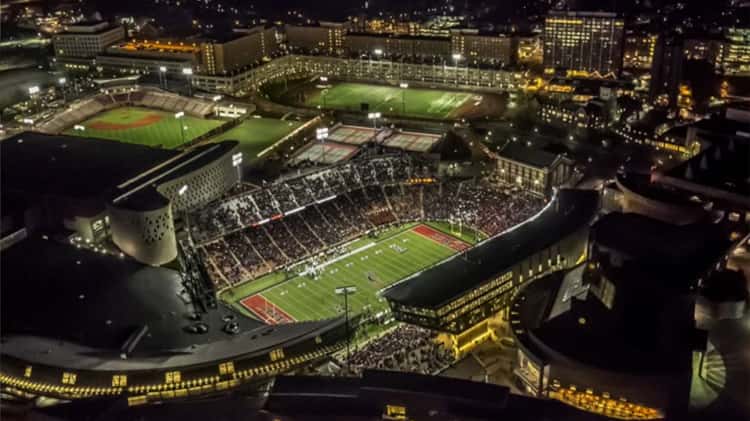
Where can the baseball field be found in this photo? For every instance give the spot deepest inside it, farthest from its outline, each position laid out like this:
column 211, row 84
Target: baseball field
column 145, row 127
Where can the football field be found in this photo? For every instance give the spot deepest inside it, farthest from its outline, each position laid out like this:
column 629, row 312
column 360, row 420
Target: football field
column 145, row 127
column 369, row 264
column 257, row 134
column 411, row 102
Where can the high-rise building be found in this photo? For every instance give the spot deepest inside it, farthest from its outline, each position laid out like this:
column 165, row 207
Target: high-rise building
column 327, row 38
column 237, row 50
column 86, row 39
column 478, row 47
column 583, row 42
column 666, row 71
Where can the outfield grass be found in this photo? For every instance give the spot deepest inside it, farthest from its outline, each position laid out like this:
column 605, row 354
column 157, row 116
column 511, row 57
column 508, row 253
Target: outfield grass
column 164, row 131
column 257, row 134
column 412, row 102
column 305, row 298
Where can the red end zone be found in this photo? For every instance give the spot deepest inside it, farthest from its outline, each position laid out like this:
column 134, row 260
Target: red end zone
column 441, row 238
column 266, row 310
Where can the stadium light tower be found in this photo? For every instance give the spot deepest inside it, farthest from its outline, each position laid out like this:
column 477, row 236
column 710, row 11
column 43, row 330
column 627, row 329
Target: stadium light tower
column 62, row 81
column 374, row 117
column 321, row 134
column 456, row 58
column 404, row 86
column 163, row 77
column 346, row 291
column 188, row 72
column 179, row 116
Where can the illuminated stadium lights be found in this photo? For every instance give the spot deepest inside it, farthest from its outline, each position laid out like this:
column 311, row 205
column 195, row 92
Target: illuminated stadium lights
column 237, row 159
column 182, row 189
column 163, row 69
column 79, row 128
column 457, row 57
column 403, row 85
column 324, row 79
column 321, row 133
column 33, row 90
column 378, row 52
column 179, row 114
column 187, row 71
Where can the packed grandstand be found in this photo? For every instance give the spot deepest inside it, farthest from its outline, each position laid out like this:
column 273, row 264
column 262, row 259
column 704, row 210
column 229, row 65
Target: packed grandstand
column 262, row 230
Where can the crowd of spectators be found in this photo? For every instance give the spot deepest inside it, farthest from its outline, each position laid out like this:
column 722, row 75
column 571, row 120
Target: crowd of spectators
column 338, row 214
column 405, row 348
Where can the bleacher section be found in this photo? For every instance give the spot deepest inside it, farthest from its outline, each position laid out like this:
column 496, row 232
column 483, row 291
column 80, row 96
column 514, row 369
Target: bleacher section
column 86, row 108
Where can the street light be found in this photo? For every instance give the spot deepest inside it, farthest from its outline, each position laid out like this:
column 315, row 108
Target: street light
column 346, row 291
column 404, row 86
column 178, row 116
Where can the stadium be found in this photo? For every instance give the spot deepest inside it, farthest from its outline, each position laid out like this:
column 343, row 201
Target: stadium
column 125, row 111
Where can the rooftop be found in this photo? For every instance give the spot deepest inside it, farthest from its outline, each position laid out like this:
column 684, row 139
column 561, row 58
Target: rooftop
column 71, row 166
column 526, row 155
column 454, row 277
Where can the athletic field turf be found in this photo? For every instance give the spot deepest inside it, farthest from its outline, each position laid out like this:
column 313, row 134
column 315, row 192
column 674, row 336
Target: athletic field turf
column 370, row 264
column 257, row 134
column 145, row 127
column 430, row 103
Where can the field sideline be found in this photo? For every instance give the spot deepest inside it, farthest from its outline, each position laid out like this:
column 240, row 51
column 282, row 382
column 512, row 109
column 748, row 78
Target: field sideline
column 370, row 265
column 412, row 102
column 144, row 126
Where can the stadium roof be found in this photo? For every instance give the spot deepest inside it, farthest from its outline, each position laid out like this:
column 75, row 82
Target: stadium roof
column 530, row 156
column 464, row 272
column 71, row 307
column 71, row 166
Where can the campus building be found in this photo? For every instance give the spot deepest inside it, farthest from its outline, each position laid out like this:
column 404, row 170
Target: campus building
column 638, row 51
column 325, row 38
column 237, row 50
column 616, row 335
column 99, row 189
column 493, row 271
column 146, row 56
column 477, row 47
column 585, row 42
column 589, row 115
column 535, row 170
column 733, row 56
column 373, row 46
column 86, row 39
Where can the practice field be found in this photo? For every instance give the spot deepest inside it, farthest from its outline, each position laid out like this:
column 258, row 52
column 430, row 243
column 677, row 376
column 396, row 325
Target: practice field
column 370, row 264
column 145, row 127
column 412, row 102
column 257, row 134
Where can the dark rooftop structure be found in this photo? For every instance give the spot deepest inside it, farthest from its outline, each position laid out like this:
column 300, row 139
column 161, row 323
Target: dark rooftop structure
column 526, row 155
column 457, row 275
column 74, row 166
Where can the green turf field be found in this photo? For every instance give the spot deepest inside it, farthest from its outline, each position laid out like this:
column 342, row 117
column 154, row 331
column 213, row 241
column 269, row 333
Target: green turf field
column 145, row 127
column 302, row 297
column 257, row 134
column 412, row 102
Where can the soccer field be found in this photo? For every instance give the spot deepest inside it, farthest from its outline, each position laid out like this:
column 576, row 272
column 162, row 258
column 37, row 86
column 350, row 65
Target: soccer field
column 412, row 102
column 145, row 127
column 257, row 134
column 370, row 264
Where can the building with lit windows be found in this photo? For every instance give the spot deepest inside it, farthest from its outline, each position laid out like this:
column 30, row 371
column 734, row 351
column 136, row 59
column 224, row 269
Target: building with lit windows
column 237, row 50
column 638, row 51
column 590, row 115
column 616, row 335
column 478, row 47
column 534, row 170
column 86, row 39
column 325, row 38
column 145, row 56
column 585, row 42
column 397, row 45
column 733, row 56
column 459, row 295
